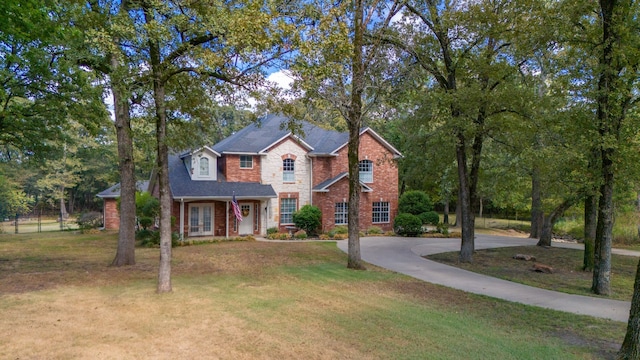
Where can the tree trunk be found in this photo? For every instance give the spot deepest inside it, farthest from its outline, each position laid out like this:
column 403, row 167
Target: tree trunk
column 630, row 349
column 590, row 223
column 546, row 234
column 125, row 254
column 537, row 216
column 354, row 123
column 609, row 119
column 467, row 220
column 548, row 221
column 164, row 271
column 445, row 219
column 604, row 232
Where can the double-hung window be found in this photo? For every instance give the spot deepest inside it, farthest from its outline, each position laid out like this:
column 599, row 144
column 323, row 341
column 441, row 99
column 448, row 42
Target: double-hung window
column 287, row 207
column 341, row 213
column 366, row 171
column 246, row 161
column 288, row 170
column 380, row 213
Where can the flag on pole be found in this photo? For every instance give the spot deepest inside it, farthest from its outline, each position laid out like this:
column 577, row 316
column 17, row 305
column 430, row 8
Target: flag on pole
column 236, row 208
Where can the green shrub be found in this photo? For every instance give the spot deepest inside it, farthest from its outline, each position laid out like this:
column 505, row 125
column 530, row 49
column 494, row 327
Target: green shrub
column 308, row 218
column 147, row 205
column 338, row 230
column 443, row 228
column 272, row 230
column 153, row 238
column 407, row 225
column 374, row 230
column 89, row 220
column 430, row 217
column 414, row 202
column 145, row 222
column 300, row 234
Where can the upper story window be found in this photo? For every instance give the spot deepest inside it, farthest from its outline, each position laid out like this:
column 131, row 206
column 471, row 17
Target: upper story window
column 288, row 170
column 366, row 171
column 204, row 166
column 246, row 161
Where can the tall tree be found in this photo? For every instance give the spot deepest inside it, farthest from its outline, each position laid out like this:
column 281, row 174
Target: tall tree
column 465, row 54
column 41, row 86
column 340, row 65
column 225, row 45
column 617, row 74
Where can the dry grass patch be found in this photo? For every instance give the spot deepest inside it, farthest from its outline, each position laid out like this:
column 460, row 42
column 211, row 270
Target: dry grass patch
column 257, row 300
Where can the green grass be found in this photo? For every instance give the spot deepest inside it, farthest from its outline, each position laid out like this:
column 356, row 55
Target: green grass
column 261, row 300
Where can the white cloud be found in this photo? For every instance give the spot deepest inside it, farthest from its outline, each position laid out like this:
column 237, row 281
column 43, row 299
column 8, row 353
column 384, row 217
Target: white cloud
column 282, row 78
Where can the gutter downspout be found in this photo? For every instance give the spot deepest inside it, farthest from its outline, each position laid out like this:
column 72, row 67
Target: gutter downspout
column 227, row 219
column 310, row 179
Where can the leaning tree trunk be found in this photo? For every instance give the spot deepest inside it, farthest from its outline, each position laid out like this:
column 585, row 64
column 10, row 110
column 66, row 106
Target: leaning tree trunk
column 590, row 223
column 164, row 270
column 630, row 349
column 125, row 254
column 549, row 221
column 354, row 122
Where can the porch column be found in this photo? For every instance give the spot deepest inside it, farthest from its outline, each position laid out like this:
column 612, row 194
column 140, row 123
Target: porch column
column 181, row 219
column 227, row 220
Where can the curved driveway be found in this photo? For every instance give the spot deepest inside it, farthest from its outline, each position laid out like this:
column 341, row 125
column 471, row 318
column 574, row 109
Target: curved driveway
column 404, row 255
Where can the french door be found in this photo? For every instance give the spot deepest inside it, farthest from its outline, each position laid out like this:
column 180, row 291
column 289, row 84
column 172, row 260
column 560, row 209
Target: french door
column 200, row 219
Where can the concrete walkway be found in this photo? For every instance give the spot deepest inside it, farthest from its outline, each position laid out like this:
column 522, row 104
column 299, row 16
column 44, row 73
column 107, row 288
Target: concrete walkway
column 404, row 255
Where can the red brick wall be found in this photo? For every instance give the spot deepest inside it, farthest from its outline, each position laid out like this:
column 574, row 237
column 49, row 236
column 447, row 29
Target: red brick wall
column 233, row 172
column 385, row 184
column 111, row 215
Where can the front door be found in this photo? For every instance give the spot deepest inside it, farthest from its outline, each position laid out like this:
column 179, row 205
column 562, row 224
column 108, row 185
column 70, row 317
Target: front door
column 200, row 219
column 246, row 225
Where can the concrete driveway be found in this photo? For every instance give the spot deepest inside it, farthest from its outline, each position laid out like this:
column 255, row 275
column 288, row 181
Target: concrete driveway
column 404, row 255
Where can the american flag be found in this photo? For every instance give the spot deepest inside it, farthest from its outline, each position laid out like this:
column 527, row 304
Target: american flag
column 236, row 208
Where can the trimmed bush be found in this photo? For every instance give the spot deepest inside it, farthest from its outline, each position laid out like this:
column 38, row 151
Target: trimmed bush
column 407, row 225
column 414, row 202
column 145, row 222
column 308, row 218
column 430, row 217
column 272, row 230
column 300, row 234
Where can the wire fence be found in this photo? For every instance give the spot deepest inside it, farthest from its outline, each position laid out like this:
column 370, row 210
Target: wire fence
column 26, row 225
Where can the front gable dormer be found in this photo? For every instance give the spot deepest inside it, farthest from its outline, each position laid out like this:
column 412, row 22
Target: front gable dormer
column 202, row 164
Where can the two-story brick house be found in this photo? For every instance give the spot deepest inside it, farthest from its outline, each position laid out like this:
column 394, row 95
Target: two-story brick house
column 272, row 173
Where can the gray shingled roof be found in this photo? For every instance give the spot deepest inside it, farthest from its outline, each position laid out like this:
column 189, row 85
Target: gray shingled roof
column 183, row 187
column 114, row 191
column 325, row 185
column 259, row 136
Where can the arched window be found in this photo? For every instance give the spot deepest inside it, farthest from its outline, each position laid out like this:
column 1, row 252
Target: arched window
column 366, row 171
column 204, row 166
column 288, row 170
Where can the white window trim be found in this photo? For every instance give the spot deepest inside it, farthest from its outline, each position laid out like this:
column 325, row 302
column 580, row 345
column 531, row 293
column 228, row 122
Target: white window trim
column 246, row 167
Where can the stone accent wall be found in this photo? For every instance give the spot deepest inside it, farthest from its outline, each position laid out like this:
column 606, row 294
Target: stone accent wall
column 272, row 173
column 111, row 215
